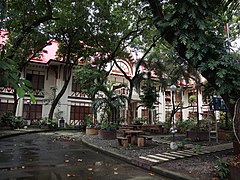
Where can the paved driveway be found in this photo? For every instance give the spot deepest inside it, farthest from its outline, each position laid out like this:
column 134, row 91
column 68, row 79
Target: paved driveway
column 60, row 155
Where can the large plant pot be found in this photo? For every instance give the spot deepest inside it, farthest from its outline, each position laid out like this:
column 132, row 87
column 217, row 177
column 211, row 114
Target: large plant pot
column 225, row 135
column 91, row 131
column 234, row 172
column 236, row 148
column 198, row 135
column 107, row 134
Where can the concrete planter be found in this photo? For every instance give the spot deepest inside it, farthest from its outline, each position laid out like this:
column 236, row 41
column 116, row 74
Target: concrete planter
column 91, row 131
column 234, row 172
column 225, row 135
column 107, row 134
column 198, row 135
column 236, row 148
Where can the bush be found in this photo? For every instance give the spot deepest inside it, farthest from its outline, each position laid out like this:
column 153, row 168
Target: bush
column 51, row 123
column 185, row 125
column 108, row 126
column 8, row 119
column 222, row 169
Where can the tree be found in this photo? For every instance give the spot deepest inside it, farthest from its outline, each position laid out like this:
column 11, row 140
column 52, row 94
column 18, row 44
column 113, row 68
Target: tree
column 25, row 40
column 195, row 30
column 117, row 27
column 108, row 100
column 70, row 32
column 149, row 95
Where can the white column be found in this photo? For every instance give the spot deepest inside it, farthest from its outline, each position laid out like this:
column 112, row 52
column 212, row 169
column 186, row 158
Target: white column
column 200, row 103
column 19, row 111
column 185, row 104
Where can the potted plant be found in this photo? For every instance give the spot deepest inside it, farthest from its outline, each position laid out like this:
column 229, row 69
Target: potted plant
column 107, row 101
column 91, row 129
column 196, row 133
column 234, row 167
column 108, row 131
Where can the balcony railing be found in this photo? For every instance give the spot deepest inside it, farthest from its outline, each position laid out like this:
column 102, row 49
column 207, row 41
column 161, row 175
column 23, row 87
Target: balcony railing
column 79, row 94
column 7, row 90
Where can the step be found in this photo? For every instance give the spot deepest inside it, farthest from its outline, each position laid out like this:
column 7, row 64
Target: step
column 157, row 157
column 174, row 155
column 180, row 153
column 165, row 156
column 149, row 159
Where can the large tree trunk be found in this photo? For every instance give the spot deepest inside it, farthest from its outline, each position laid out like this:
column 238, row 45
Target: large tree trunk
column 129, row 110
column 67, row 75
column 236, row 121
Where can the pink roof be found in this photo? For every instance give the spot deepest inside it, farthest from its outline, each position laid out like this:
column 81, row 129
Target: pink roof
column 49, row 52
column 3, row 36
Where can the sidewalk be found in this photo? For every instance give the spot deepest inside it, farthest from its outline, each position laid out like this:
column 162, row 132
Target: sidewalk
column 16, row 132
column 149, row 161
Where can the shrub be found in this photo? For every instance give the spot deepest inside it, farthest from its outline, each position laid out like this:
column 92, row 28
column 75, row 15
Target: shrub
column 185, row 125
column 51, row 123
column 9, row 120
column 222, row 169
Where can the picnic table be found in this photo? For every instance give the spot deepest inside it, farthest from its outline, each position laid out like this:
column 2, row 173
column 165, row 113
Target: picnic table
column 133, row 134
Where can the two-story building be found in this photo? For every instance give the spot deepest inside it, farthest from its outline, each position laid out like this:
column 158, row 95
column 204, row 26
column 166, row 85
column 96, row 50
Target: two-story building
column 46, row 75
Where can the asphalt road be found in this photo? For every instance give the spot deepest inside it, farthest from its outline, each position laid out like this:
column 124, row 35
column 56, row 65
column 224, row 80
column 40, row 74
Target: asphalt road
column 60, row 155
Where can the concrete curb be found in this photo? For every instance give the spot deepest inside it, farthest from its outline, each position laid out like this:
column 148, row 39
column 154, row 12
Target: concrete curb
column 170, row 174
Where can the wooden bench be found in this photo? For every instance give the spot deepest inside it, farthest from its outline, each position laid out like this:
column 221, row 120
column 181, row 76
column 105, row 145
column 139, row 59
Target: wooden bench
column 146, row 137
column 141, row 140
column 122, row 141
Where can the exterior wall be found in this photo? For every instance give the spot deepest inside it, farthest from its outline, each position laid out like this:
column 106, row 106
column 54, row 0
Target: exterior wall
column 53, row 79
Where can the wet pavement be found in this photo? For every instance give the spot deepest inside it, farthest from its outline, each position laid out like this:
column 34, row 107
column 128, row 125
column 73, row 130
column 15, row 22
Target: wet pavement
column 61, row 155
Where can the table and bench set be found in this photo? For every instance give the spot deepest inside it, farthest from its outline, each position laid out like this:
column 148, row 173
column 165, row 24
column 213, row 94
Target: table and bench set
column 135, row 135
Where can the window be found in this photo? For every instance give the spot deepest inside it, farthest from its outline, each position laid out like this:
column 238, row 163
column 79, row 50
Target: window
column 144, row 113
column 36, row 80
column 5, row 107
column 75, row 86
column 80, row 112
column 32, row 111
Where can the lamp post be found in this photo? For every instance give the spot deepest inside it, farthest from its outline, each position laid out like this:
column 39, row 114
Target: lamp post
column 173, row 89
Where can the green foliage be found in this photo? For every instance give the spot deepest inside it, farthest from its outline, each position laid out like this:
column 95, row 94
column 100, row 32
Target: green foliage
column 149, row 96
column 192, row 99
column 107, row 99
column 105, row 125
column 88, row 121
column 88, row 78
column 197, row 148
column 140, row 120
column 185, row 125
column 222, row 169
column 50, row 123
column 195, row 30
column 8, row 119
